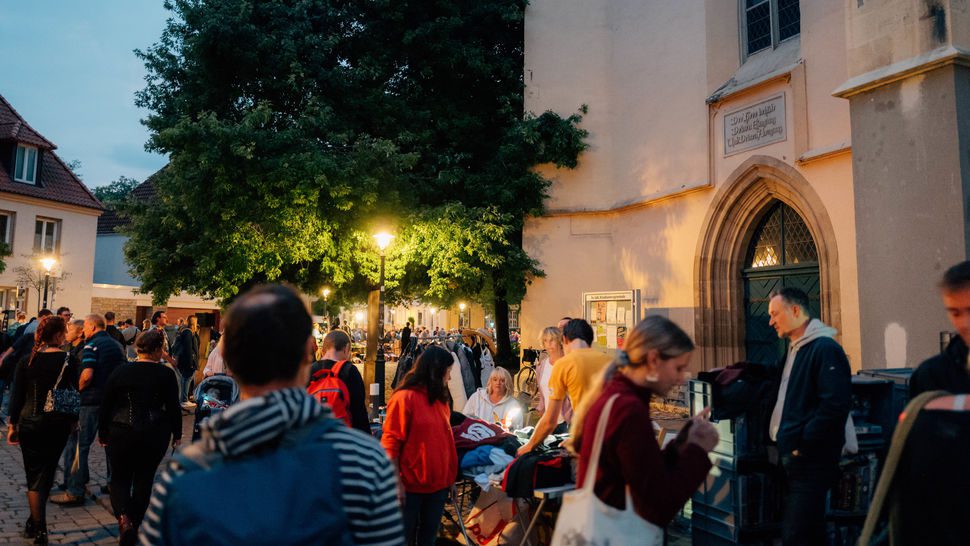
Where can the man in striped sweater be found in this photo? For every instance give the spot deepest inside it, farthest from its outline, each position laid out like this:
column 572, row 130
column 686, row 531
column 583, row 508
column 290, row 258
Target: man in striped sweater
column 301, row 475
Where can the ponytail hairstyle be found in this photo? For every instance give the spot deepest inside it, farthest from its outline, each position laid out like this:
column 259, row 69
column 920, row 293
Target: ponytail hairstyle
column 50, row 329
column 429, row 373
column 654, row 333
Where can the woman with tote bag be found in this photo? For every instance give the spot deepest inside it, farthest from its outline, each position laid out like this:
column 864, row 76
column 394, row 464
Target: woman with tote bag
column 628, row 488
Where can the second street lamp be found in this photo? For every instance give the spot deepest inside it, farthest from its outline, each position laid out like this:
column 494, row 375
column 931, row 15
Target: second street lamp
column 383, row 241
column 48, row 264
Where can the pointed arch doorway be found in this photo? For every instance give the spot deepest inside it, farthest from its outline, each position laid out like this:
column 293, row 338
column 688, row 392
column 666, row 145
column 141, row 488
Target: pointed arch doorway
column 724, row 255
column 782, row 254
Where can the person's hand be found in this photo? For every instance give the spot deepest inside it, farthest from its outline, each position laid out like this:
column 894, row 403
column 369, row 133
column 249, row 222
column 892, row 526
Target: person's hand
column 176, row 442
column 702, row 432
column 102, row 443
column 12, row 435
column 796, row 453
column 523, row 450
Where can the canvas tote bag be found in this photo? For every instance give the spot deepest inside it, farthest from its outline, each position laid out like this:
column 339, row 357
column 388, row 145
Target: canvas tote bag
column 586, row 520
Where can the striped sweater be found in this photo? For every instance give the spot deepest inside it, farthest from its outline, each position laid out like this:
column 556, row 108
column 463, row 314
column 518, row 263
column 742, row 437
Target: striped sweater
column 368, row 483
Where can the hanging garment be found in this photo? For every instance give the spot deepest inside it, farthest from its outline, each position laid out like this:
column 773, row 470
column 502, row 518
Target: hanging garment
column 456, row 385
column 467, row 375
column 488, row 364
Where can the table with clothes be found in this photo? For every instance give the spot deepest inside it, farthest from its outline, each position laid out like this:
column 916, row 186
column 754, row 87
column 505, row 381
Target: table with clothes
column 499, row 489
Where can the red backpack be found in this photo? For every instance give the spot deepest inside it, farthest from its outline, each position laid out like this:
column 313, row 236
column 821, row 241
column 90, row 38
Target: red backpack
column 330, row 390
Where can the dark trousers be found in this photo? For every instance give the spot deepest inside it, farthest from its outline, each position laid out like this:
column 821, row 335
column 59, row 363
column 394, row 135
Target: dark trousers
column 422, row 516
column 806, row 485
column 134, row 457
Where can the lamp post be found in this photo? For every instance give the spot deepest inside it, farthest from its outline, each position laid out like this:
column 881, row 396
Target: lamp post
column 326, row 294
column 48, row 264
column 383, row 240
column 461, row 315
column 434, row 311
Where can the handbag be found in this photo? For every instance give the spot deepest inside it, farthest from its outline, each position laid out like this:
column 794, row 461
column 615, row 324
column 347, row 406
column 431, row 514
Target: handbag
column 586, row 520
column 63, row 401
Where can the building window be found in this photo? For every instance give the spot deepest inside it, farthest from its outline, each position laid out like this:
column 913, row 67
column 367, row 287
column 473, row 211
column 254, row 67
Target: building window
column 768, row 23
column 513, row 317
column 47, row 236
column 6, row 228
column 25, row 166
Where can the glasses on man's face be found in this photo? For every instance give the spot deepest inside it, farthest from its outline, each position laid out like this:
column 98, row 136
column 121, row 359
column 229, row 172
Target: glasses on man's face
column 67, row 315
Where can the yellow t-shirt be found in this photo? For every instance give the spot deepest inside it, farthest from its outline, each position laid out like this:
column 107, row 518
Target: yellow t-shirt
column 574, row 373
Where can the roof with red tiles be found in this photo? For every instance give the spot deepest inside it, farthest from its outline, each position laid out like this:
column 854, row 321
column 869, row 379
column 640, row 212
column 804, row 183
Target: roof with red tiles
column 57, row 182
column 13, row 127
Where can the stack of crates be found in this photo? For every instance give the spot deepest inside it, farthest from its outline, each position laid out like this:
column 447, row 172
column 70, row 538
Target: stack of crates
column 739, row 501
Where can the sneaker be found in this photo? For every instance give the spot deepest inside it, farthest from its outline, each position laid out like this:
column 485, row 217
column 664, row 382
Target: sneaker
column 67, row 499
column 188, row 406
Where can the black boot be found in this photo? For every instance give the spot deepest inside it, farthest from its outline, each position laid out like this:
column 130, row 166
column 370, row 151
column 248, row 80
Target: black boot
column 30, row 528
column 41, row 536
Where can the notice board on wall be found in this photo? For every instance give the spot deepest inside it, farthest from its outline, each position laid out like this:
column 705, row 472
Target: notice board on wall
column 612, row 315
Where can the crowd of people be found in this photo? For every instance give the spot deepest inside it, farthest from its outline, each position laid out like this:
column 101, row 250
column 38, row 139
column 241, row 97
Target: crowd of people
column 323, row 477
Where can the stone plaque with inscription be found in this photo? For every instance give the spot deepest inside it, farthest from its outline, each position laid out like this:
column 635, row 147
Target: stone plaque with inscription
column 755, row 126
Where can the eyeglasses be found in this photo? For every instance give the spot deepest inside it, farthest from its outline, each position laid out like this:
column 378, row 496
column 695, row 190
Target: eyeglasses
column 67, row 315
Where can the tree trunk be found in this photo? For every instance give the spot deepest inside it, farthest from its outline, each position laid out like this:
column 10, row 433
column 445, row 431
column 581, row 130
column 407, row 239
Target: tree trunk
column 504, row 346
column 371, row 354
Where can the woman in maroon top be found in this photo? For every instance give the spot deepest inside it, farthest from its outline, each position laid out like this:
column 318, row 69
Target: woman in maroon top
column 655, row 359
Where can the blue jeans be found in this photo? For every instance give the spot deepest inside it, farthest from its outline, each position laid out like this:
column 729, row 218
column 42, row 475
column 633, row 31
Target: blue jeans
column 185, row 388
column 422, row 516
column 86, row 432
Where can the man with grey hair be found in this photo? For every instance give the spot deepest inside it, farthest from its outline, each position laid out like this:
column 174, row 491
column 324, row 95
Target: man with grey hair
column 100, row 356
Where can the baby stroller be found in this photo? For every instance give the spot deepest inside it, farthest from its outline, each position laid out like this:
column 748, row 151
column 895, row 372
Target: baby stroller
column 213, row 395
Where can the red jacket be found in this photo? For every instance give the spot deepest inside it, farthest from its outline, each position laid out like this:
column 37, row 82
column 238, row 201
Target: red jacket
column 417, row 436
column 631, row 457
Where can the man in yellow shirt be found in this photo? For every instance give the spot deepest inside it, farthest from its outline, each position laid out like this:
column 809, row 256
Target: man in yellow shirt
column 572, row 375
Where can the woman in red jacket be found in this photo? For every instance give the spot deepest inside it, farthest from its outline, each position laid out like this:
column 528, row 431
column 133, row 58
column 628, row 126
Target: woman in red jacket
column 418, row 439
column 654, row 360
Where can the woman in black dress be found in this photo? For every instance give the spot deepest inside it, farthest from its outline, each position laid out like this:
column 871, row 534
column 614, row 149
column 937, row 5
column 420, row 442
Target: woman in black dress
column 41, row 435
column 140, row 417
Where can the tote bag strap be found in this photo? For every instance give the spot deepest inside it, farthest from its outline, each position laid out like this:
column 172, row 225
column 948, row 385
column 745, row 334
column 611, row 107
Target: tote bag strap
column 594, row 461
column 884, row 487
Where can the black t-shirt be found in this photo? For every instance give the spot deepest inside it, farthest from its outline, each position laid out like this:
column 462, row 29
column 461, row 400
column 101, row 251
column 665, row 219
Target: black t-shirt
column 103, row 355
column 358, row 393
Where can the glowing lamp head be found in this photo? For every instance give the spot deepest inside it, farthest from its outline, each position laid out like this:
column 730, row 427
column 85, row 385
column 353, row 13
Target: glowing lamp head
column 48, row 263
column 359, row 316
column 461, row 306
column 326, row 293
column 383, row 240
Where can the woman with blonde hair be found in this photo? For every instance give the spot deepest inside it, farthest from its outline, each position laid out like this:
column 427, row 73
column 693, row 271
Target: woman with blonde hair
column 654, row 360
column 493, row 403
column 552, row 345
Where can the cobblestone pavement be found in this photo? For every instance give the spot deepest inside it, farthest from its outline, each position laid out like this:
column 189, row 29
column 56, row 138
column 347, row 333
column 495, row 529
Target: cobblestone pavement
column 92, row 523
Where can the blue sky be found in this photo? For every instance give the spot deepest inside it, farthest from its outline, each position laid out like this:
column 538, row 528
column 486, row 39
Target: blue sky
column 67, row 66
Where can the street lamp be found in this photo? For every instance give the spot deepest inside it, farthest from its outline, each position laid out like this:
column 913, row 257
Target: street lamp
column 461, row 315
column 326, row 294
column 48, row 264
column 434, row 311
column 383, row 241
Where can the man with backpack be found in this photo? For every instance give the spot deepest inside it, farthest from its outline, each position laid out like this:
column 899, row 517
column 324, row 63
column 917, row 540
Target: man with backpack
column 317, row 481
column 348, row 394
column 186, row 353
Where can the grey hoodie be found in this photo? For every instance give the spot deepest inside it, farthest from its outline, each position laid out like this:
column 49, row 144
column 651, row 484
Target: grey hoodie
column 816, row 329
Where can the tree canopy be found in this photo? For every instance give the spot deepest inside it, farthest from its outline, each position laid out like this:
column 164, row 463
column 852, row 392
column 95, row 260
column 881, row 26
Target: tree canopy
column 115, row 191
column 296, row 128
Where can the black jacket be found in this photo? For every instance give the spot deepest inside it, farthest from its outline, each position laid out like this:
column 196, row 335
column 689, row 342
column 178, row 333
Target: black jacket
column 947, row 371
column 817, row 403
column 186, row 352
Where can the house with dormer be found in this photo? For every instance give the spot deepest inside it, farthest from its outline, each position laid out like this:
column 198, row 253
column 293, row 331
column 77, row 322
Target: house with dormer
column 48, row 219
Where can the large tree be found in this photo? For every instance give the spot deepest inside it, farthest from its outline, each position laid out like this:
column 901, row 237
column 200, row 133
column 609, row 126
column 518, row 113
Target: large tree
column 296, row 127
